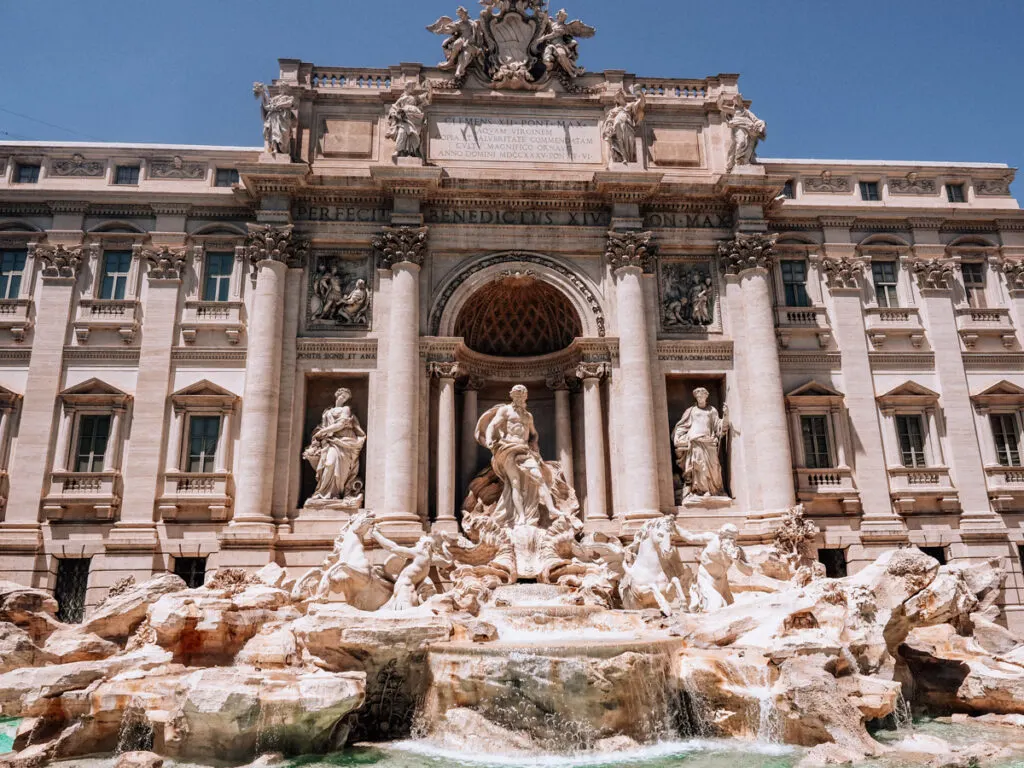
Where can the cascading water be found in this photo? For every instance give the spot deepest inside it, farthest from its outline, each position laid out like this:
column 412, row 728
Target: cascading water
column 136, row 732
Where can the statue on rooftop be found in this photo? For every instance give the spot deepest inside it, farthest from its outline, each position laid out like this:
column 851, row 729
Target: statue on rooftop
column 747, row 130
column 622, row 124
column 465, row 44
column 406, row 121
column 278, row 118
column 561, row 51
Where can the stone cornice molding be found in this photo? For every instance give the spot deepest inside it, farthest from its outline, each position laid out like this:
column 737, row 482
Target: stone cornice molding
column 407, row 181
column 401, row 245
column 267, row 242
column 630, row 248
column 933, row 274
column 68, row 206
column 60, row 262
column 171, row 209
column 597, row 371
column 837, row 222
column 165, row 263
column 746, row 252
column 925, row 222
column 843, row 272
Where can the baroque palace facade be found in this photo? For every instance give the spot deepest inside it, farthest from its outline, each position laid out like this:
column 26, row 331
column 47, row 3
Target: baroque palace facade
column 176, row 320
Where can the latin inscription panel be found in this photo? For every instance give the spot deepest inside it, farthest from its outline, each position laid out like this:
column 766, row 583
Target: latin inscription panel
column 515, row 139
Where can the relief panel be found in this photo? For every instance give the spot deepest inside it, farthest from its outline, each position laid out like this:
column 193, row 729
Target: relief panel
column 339, row 295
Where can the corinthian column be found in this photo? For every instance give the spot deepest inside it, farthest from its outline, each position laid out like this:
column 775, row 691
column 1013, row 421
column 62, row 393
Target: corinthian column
column 445, row 373
column 470, row 415
column 630, row 254
column 269, row 249
column 748, row 260
column 594, row 452
column 563, row 423
column 402, row 250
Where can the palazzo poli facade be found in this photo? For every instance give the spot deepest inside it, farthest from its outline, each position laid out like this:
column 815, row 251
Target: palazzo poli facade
column 176, row 320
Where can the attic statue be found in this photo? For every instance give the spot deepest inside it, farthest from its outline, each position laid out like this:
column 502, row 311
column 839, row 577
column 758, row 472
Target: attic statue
column 278, row 118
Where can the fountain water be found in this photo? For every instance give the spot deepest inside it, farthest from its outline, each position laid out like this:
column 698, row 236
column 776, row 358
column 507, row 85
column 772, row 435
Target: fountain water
column 136, row 733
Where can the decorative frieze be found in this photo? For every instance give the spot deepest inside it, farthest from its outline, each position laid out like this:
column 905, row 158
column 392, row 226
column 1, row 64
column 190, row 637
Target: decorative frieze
column 77, row 166
column 339, row 295
column 266, row 242
column 913, row 184
column 933, row 274
column 992, row 187
column 630, row 248
column 687, row 297
column 827, row 183
column 843, row 272
column 177, row 168
column 60, row 262
column 166, row 263
column 745, row 252
column 396, row 245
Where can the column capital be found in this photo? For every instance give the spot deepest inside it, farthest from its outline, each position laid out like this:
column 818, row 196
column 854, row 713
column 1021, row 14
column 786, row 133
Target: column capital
column 444, row 370
column 630, row 248
column 59, row 261
column 473, row 383
column 597, row 371
column 843, row 272
column 557, row 381
column 1013, row 270
column 397, row 245
column 745, row 252
column 933, row 274
column 165, row 263
column 268, row 242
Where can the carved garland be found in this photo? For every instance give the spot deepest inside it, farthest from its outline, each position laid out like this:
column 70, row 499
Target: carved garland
column 530, row 258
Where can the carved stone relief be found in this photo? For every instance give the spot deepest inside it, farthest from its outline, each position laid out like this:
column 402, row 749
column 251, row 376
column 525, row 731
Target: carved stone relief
column 176, row 168
column 913, row 185
column 339, row 294
column 688, row 297
column 827, row 183
column 78, row 166
column 992, row 187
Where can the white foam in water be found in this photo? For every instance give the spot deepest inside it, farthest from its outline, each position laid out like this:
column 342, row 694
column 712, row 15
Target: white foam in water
column 639, row 755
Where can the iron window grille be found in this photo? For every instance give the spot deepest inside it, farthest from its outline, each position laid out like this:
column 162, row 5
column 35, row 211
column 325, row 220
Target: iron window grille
column 69, row 592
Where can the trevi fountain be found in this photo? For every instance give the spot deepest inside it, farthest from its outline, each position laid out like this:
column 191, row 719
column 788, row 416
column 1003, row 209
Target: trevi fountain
column 519, row 635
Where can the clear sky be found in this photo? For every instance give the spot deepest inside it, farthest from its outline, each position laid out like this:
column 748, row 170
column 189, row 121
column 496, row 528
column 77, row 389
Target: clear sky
column 858, row 79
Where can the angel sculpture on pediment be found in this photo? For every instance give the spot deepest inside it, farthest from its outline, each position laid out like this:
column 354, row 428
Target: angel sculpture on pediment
column 560, row 49
column 465, row 44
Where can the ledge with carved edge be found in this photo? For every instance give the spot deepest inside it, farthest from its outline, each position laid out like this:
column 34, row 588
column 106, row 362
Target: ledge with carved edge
column 922, row 489
column 515, row 370
column 883, row 323
column 83, row 496
column 1005, row 487
column 121, row 316
column 834, row 485
column 802, row 321
column 16, row 317
column 226, row 316
column 973, row 324
column 196, row 497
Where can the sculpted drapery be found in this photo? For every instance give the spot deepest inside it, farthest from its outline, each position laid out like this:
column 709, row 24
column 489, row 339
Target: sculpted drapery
column 335, row 449
column 696, row 440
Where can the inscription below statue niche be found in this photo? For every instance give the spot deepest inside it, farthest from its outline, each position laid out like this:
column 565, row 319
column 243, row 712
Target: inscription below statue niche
column 688, row 297
column 334, row 454
column 514, row 45
column 339, row 295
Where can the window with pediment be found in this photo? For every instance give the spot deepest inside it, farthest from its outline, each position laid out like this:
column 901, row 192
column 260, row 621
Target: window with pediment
column 818, row 426
column 201, row 429
column 92, row 428
column 912, row 414
column 1000, row 421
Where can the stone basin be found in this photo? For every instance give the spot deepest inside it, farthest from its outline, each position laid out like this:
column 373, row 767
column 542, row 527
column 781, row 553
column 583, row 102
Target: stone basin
column 563, row 695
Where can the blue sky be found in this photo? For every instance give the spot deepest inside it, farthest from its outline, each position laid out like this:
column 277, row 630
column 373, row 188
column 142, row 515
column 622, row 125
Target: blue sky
column 861, row 79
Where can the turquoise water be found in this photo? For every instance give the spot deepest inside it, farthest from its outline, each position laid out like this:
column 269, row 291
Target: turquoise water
column 8, row 729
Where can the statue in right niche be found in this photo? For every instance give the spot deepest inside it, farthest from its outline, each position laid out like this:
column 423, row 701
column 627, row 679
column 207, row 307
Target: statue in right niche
column 334, row 453
column 697, row 439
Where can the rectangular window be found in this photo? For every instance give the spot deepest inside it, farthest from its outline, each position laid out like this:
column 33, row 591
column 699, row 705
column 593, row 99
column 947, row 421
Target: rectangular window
column 885, row 274
column 115, row 274
column 974, row 283
column 72, row 581
column 93, row 434
column 1007, row 439
column 794, row 281
column 226, row 177
column 955, row 193
column 815, row 436
column 12, row 269
column 192, row 570
column 203, row 432
column 834, row 561
column 939, row 553
column 126, row 174
column 910, row 430
column 869, row 191
column 788, row 191
column 217, row 283
column 26, row 174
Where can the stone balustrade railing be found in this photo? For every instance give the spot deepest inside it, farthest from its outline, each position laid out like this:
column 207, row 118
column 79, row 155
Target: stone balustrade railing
column 334, row 78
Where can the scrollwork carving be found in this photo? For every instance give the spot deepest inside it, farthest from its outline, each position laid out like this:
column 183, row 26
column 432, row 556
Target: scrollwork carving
column 827, row 183
column 843, row 272
column 745, row 252
column 913, row 185
column 78, row 166
column 586, row 371
column 177, row 168
column 166, row 263
column 1013, row 269
column 933, row 274
column 444, row 370
column 266, row 242
column 630, row 248
column 397, row 245
column 992, row 187
column 60, row 261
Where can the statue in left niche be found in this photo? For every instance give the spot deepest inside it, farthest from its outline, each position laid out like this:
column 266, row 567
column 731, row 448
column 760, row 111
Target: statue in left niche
column 334, row 454
column 465, row 44
column 278, row 119
column 407, row 119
